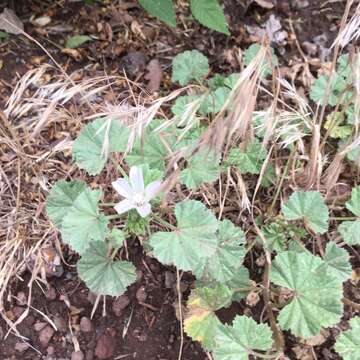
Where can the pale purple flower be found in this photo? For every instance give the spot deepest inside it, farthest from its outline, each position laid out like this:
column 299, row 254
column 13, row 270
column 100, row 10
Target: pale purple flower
column 136, row 195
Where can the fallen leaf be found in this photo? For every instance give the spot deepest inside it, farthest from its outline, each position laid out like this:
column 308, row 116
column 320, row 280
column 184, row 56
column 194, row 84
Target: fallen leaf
column 75, row 54
column 76, row 41
column 266, row 4
column 154, row 75
column 10, row 23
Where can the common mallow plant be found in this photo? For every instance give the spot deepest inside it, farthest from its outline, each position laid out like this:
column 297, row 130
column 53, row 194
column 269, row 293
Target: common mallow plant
column 212, row 249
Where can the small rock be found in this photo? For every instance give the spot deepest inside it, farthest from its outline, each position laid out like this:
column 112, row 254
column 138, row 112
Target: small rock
column 50, row 293
column 133, row 63
column 85, row 325
column 45, row 335
column 300, row 4
column 77, row 355
column 119, row 304
column 21, row 298
column 60, row 323
column 141, row 294
column 105, row 347
column 310, row 48
column 21, row 346
column 169, row 279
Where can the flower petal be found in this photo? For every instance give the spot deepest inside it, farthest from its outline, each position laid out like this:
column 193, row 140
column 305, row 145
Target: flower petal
column 123, row 188
column 124, row 206
column 152, row 190
column 136, row 179
column 144, row 210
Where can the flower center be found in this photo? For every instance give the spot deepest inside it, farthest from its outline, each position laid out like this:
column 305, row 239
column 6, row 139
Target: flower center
column 139, row 199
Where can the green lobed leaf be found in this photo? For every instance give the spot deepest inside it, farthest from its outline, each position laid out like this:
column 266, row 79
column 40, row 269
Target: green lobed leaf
column 234, row 342
column 250, row 160
column 161, row 9
column 116, row 238
column 181, row 103
column 350, row 231
column 83, row 222
column 316, row 301
column 193, row 241
column 348, row 343
column 268, row 64
column 228, row 257
column 202, row 167
column 152, row 150
column 189, row 65
column 337, row 261
column 4, row 35
column 353, row 204
column 214, row 102
column 103, row 275
column 275, row 237
column 201, row 323
column 210, row 14
column 310, row 207
column 76, row 41
column 240, row 283
column 96, row 140
column 216, row 81
column 60, row 199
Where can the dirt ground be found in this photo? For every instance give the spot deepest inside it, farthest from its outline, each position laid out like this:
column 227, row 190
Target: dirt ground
column 141, row 324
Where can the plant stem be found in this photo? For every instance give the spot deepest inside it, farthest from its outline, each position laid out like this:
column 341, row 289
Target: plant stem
column 345, row 218
column 178, row 278
column 115, row 216
column 164, row 222
column 108, row 204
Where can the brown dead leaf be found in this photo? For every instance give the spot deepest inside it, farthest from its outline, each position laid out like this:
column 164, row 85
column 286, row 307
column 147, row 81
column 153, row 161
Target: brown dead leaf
column 10, row 23
column 317, row 339
column 266, row 4
column 75, row 54
column 252, row 299
column 303, row 352
column 137, row 30
column 355, row 276
column 154, row 75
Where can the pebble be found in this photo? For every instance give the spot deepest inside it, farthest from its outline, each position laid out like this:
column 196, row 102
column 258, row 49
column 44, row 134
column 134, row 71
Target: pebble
column 21, row 346
column 141, row 294
column 85, row 325
column 45, row 335
column 119, row 304
column 310, row 48
column 105, row 347
column 77, row 355
column 133, row 63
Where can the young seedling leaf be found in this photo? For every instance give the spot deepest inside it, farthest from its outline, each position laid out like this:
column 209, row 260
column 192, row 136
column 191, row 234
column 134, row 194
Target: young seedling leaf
column 200, row 322
column 275, row 238
column 116, row 238
column 83, row 222
column 202, row 167
column 234, row 342
column 348, row 343
column 76, row 41
column 61, row 198
column 161, row 9
column 310, row 207
column 337, row 261
column 317, row 293
column 193, row 241
column 209, row 13
column 96, row 140
column 189, row 65
column 350, row 230
column 102, row 274
column 250, row 160
column 228, row 257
